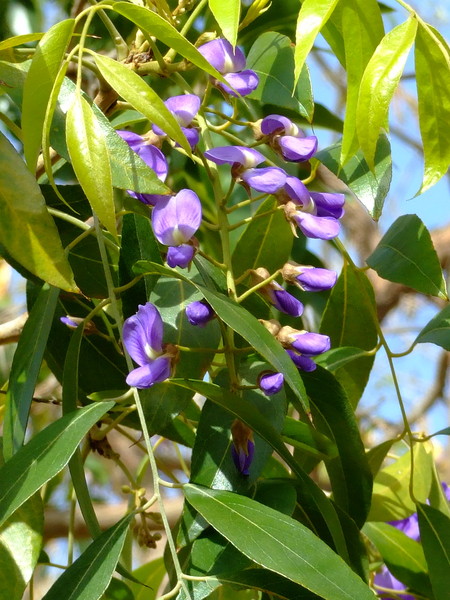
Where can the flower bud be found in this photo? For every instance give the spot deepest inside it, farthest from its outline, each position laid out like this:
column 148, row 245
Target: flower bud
column 270, row 382
column 199, row 313
column 308, row 278
column 243, row 447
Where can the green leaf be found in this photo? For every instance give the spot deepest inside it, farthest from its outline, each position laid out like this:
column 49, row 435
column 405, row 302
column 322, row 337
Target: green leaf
column 433, row 82
column 227, row 15
column 349, row 472
column 26, row 228
column 336, row 358
column 38, row 85
column 278, row 543
column 141, row 96
column 391, row 499
column 255, row 247
column 272, row 58
column 406, row 255
column 350, row 320
column 20, row 546
column 118, row 590
column 89, row 155
column 155, row 25
column 362, row 31
column 25, row 369
column 88, row 577
column 312, row 17
column 18, row 40
column 304, row 437
column 379, row 83
column 435, row 537
column 245, row 324
column 437, row 331
column 371, row 188
column 151, row 574
column 403, row 556
column 44, row 456
column 377, row 454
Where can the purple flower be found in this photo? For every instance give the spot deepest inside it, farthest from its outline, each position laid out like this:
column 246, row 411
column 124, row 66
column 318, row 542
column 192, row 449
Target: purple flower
column 304, row 363
column 305, row 342
column 385, row 579
column 244, row 161
column 287, row 139
column 328, row 205
column 142, row 337
column 180, row 256
column 231, row 63
column 243, row 447
column 277, row 295
column 184, row 108
column 199, row 313
column 71, row 322
column 270, row 382
column 308, row 278
column 152, row 156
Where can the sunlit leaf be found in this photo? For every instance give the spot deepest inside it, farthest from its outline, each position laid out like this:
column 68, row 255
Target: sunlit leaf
column 437, row 331
column 379, row 83
column 435, row 537
column 406, row 255
column 227, row 16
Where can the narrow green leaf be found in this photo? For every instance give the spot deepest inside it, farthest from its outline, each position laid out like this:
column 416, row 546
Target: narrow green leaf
column 88, row 577
column 155, row 25
column 244, row 323
column 20, row 546
column 255, row 247
column 433, row 82
column 336, row 358
column 435, row 537
column 377, row 454
column 141, row 96
column 272, row 58
column 406, row 255
column 350, row 320
column 306, row 438
column 437, row 331
column 18, row 40
column 371, row 188
column 403, row 556
column 279, row 543
column 379, row 83
column 151, row 574
column 25, row 369
column 27, row 230
column 44, row 456
column 362, row 31
column 227, row 15
column 89, row 155
column 312, row 17
column 38, row 86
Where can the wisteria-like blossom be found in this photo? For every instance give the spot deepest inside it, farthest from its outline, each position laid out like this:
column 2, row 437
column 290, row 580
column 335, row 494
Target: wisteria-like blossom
column 142, row 337
column 287, row 139
column 184, row 108
column 231, row 63
column 175, row 220
column 152, row 156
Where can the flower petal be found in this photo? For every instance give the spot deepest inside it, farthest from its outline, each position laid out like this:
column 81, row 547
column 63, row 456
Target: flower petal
column 192, row 136
column 247, row 157
column 267, row 179
column 143, row 333
column 286, row 302
column 220, row 54
column 177, row 218
column 315, row 279
column 241, row 84
column 180, row 256
column 271, row 383
column 329, row 205
column 298, row 192
column 304, row 363
column 184, row 107
column 322, row 228
column 311, row 344
column 298, row 149
column 154, row 372
column 275, row 124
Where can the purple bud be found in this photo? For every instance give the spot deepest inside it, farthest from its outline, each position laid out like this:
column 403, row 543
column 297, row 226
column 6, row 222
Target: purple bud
column 270, row 383
column 199, row 313
column 180, row 256
column 283, row 300
column 304, row 363
column 176, row 218
column 313, row 226
column 231, row 155
column 310, row 343
column 268, row 179
column 315, row 279
column 71, row 322
column 243, row 447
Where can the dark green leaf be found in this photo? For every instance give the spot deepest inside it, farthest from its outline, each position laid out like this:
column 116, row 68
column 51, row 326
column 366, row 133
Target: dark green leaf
column 312, row 17
column 88, row 577
column 44, row 456
column 336, row 358
column 379, row 83
column 272, row 58
column 151, row 574
column 307, row 439
column 435, row 536
column 350, row 320
column 26, row 229
column 350, row 475
column 227, row 15
column 25, row 370
column 278, row 543
column 377, row 454
column 256, row 248
column 437, row 331
column 406, row 255
column 371, row 188
column 89, row 155
column 118, row 590
column 38, row 85
column 433, row 82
